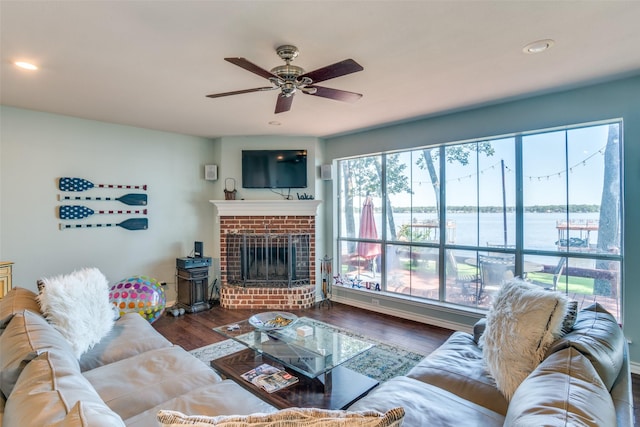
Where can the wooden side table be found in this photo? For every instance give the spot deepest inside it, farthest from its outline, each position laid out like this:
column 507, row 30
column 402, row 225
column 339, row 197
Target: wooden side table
column 5, row 277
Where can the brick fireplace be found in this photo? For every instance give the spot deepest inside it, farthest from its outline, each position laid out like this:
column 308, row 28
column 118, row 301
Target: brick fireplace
column 239, row 222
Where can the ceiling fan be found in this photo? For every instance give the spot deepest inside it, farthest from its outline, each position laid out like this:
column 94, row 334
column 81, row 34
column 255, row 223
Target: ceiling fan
column 291, row 79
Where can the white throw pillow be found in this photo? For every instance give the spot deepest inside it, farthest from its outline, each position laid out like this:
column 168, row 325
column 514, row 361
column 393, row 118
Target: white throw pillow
column 522, row 323
column 78, row 306
column 290, row 417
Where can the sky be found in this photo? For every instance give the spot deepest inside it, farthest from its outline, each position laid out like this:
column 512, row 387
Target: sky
column 546, row 160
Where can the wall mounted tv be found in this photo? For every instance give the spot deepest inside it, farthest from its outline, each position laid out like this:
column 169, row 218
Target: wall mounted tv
column 274, row 168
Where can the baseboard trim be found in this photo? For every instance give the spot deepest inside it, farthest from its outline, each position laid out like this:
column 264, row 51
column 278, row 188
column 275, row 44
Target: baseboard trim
column 405, row 315
column 430, row 320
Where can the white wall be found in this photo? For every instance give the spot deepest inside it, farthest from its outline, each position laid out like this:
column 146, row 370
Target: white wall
column 38, row 148
column 231, row 165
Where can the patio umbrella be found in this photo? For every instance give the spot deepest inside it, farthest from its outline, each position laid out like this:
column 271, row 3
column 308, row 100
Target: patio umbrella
column 368, row 230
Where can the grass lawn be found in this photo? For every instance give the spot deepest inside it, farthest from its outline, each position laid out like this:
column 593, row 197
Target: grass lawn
column 577, row 285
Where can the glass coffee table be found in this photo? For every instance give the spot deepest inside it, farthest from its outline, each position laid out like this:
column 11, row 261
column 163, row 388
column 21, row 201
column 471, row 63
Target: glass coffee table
column 313, row 351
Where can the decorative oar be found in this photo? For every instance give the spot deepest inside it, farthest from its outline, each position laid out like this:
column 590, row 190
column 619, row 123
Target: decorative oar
column 78, row 212
column 79, row 184
column 132, row 199
column 129, row 224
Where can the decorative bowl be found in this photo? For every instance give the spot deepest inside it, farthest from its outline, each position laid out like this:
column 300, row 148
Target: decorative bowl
column 272, row 320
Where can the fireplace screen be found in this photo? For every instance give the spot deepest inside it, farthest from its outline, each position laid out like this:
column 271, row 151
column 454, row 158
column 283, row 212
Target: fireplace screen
column 277, row 260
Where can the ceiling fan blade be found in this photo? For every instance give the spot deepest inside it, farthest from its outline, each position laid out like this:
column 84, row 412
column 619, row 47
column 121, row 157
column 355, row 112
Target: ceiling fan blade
column 238, row 92
column 283, row 104
column 249, row 66
column 337, row 94
column 332, row 71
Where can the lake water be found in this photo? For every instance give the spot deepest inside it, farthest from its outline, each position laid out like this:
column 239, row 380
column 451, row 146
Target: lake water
column 540, row 230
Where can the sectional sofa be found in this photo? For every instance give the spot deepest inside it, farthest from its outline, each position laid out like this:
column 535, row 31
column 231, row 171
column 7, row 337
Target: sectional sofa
column 123, row 380
column 584, row 380
column 134, row 373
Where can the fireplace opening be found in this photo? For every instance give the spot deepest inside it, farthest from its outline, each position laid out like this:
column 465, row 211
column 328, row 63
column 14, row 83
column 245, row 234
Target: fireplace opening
column 268, row 260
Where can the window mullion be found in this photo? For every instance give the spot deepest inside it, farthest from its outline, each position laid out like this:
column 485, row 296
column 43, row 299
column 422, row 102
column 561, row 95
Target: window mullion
column 442, row 224
column 383, row 222
column 519, row 205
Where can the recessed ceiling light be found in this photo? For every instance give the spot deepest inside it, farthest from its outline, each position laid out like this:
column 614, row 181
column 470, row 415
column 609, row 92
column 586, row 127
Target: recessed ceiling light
column 538, row 46
column 26, row 65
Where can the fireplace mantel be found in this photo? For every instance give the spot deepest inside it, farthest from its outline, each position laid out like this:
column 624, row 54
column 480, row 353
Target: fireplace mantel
column 266, row 207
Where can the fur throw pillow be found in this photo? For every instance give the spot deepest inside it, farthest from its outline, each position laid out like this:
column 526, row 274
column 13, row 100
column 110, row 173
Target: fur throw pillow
column 522, row 323
column 78, row 306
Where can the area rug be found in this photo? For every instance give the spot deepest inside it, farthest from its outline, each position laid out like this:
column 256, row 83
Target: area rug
column 381, row 362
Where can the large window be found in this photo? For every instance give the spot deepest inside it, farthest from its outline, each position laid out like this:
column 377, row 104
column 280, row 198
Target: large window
column 449, row 224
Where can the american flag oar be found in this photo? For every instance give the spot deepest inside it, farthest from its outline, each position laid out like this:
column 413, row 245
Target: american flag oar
column 79, row 212
column 128, row 199
column 129, row 224
column 79, row 184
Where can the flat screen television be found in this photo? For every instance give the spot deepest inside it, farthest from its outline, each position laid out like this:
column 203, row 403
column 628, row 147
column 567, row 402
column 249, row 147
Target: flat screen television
column 274, row 168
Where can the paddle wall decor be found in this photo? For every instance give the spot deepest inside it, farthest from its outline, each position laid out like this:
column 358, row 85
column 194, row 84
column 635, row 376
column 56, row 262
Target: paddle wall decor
column 80, row 184
column 80, row 212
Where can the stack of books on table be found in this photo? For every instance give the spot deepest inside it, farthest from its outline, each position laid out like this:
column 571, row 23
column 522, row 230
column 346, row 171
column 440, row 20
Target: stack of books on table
column 269, row 378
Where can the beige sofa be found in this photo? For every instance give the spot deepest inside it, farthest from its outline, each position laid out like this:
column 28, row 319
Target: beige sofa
column 134, row 372
column 584, row 380
column 124, row 380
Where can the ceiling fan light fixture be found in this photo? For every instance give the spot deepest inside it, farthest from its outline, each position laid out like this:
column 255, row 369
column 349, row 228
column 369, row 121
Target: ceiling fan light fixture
column 288, row 89
column 276, row 81
column 538, row 46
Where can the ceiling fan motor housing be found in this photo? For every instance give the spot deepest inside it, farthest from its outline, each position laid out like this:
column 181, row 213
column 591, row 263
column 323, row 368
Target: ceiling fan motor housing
column 287, row 72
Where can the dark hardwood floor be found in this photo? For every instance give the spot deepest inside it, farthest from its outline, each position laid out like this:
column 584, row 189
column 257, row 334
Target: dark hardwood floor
column 192, row 331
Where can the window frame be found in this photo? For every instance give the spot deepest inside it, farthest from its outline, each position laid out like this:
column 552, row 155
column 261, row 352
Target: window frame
column 442, row 245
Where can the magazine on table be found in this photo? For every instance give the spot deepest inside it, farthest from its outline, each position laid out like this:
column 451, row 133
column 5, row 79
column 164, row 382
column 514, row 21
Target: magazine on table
column 269, row 378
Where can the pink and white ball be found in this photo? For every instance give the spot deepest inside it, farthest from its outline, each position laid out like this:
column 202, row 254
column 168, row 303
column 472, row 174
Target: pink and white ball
column 139, row 294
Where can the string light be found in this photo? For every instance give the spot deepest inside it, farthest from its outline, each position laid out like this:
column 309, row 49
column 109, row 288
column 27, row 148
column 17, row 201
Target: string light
column 558, row 174
column 471, row 175
column 583, row 162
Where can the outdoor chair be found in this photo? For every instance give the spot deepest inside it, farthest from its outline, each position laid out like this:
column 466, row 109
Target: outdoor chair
column 494, row 270
column 557, row 273
column 469, row 284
